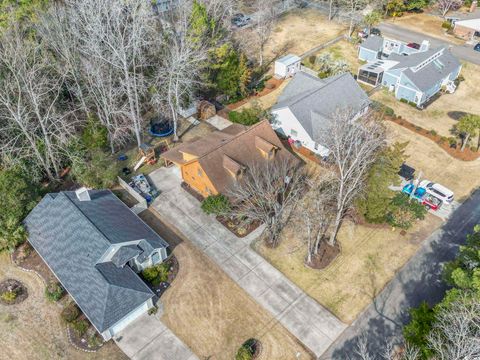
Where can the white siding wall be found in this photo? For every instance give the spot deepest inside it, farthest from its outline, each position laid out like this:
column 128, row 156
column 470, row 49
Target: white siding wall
column 286, row 122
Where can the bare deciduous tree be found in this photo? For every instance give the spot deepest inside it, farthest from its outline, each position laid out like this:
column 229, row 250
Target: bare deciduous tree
column 120, row 34
column 456, row 331
column 268, row 192
column 317, row 213
column 388, row 352
column 179, row 73
column 352, row 9
column 446, row 5
column 265, row 12
column 353, row 145
column 33, row 128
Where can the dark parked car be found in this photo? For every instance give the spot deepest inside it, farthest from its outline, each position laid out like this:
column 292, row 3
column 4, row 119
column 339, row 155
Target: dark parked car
column 477, row 47
column 414, row 45
column 406, row 172
column 375, row 31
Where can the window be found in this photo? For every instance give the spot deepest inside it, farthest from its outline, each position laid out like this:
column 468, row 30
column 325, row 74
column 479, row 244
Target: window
column 293, row 132
column 155, row 258
column 316, row 146
column 208, row 191
column 199, row 172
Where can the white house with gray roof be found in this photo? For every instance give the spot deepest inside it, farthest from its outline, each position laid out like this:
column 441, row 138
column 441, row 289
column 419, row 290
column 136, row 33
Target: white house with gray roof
column 416, row 77
column 307, row 105
column 95, row 245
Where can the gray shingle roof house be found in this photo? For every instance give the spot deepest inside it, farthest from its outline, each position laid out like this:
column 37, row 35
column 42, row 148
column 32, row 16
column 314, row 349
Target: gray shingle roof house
column 306, row 106
column 416, row 77
column 92, row 242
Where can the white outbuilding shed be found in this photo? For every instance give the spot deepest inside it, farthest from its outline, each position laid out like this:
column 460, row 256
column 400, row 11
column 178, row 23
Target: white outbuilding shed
column 287, row 66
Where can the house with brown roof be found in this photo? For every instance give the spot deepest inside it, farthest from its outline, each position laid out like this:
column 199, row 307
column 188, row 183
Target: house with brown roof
column 212, row 164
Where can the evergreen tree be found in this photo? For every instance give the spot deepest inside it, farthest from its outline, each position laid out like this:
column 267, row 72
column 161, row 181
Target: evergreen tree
column 375, row 204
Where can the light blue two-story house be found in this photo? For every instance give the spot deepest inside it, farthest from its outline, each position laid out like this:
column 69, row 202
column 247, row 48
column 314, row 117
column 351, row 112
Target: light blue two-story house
column 416, row 76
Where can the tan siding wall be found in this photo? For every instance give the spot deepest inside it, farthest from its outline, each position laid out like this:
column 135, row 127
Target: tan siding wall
column 194, row 176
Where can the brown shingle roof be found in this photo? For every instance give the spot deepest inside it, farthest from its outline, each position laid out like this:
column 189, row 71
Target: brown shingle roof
column 241, row 145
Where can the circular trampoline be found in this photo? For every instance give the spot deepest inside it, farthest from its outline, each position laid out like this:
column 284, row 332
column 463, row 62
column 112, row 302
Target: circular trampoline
column 160, row 127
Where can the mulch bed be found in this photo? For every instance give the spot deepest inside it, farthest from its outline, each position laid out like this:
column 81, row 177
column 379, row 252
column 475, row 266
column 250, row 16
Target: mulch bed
column 160, row 289
column 27, row 258
column 16, row 286
column 239, row 230
column 465, row 155
column 326, row 254
column 90, row 341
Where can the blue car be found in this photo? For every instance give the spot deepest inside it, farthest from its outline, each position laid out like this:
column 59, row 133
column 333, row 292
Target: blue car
column 477, row 47
column 419, row 192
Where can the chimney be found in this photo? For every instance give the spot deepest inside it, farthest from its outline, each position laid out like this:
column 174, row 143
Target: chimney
column 82, row 194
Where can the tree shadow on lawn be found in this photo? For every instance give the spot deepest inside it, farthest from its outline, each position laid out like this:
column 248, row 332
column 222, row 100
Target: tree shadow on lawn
column 419, row 280
column 456, row 115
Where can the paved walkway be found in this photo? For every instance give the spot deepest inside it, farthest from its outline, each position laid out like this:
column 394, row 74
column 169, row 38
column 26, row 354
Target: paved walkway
column 147, row 338
column 307, row 320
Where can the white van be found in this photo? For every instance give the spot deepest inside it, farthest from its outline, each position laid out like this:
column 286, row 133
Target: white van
column 437, row 190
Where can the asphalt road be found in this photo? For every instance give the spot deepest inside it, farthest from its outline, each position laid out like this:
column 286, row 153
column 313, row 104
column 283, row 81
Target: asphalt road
column 463, row 52
column 418, row 280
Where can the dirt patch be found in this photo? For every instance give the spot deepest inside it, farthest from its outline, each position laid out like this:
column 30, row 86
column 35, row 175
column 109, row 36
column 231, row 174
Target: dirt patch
column 326, row 254
column 466, row 155
column 12, row 292
column 27, row 258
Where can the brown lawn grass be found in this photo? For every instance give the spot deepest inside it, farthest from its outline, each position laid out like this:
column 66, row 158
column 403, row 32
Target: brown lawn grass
column 369, row 259
column 462, row 177
column 211, row 314
column 300, row 30
column 342, row 50
column 33, row 329
column 427, row 24
column 436, row 116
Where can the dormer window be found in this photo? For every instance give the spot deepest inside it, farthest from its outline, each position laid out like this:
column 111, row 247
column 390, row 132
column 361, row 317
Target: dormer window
column 234, row 168
column 266, row 148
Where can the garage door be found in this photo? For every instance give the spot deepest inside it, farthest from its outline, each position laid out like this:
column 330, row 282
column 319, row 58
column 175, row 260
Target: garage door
column 119, row 326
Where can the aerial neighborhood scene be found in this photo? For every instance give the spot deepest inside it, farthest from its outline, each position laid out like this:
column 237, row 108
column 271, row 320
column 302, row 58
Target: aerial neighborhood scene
column 240, row 179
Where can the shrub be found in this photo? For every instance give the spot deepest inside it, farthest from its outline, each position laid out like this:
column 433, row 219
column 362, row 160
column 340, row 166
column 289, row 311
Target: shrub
column 70, row 312
column 404, row 211
column 248, row 116
column 156, row 274
column 447, row 25
column 216, row 204
column 54, row 291
column 9, row 296
column 405, row 101
column 433, row 132
column 452, row 141
column 312, row 59
column 412, row 104
column 153, row 310
column 247, row 350
column 418, row 128
column 442, row 140
column 94, row 340
column 80, row 327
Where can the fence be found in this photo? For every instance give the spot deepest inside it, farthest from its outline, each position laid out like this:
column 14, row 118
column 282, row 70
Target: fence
column 142, row 202
column 322, row 46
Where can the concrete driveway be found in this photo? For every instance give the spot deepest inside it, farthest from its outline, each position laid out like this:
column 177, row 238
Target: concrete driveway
column 308, row 321
column 147, row 338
